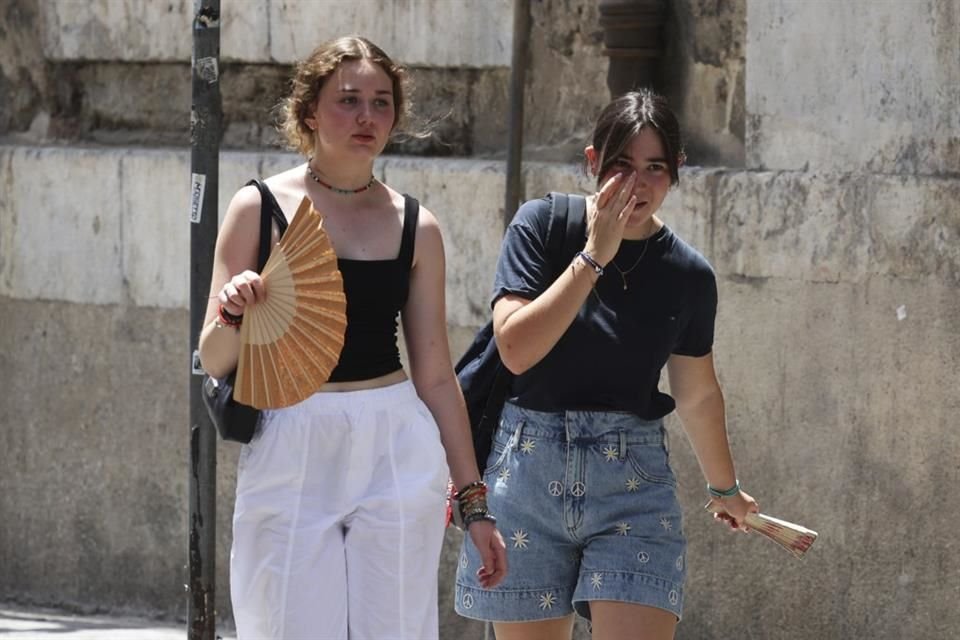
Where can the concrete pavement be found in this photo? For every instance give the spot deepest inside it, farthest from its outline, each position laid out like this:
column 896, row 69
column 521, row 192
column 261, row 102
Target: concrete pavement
column 18, row 623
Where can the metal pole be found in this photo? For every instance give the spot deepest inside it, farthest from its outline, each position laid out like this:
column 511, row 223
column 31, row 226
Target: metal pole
column 205, row 128
column 518, row 78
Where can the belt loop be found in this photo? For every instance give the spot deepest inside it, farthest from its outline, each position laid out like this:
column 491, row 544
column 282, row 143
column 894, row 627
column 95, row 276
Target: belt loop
column 518, row 434
column 623, row 444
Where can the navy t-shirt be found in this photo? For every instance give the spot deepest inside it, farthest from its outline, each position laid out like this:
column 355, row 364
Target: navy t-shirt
column 611, row 356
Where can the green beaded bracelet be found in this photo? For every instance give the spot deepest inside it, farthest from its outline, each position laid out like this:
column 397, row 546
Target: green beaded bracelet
column 729, row 493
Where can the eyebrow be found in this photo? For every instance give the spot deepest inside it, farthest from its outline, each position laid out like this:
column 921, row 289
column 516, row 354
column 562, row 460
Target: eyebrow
column 352, row 90
column 626, row 156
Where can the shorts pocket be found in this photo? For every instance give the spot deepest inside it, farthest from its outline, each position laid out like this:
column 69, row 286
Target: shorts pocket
column 651, row 463
column 503, row 442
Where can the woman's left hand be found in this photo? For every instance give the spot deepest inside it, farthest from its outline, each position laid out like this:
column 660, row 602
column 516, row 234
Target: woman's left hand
column 493, row 552
column 734, row 510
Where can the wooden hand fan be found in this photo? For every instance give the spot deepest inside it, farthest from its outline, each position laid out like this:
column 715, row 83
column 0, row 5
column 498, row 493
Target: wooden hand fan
column 290, row 342
column 792, row 537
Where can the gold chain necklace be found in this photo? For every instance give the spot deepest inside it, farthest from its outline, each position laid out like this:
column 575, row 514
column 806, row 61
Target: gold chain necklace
column 624, row 274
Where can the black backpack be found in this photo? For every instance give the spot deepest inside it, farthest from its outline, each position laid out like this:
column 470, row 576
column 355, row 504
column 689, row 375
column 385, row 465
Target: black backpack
column 484, row 379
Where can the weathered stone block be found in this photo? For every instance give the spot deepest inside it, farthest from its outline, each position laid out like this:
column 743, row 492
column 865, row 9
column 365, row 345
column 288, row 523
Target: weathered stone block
column 854, row 85
column 455, row 33
column 835, row 227
column 141, row 30
column 63, row 222
column 436, row 33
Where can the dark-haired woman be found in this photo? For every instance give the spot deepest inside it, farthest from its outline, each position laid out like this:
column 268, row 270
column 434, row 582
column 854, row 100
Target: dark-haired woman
column 579, row 474
column 340, row 507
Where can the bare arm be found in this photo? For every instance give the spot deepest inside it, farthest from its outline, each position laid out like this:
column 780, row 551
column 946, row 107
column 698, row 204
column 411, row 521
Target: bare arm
column 234, row 282
column 526, row 330
column 694, row 386
column 425, row 331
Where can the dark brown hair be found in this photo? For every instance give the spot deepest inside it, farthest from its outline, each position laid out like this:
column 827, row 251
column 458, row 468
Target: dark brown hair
column 311, row 74
column 624, row 118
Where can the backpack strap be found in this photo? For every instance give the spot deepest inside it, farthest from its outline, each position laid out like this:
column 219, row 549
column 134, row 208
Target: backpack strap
column 270, row 211
column 411, row 215
column 567, row 231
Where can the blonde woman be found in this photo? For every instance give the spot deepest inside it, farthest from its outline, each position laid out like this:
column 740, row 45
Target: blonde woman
column 340, row 506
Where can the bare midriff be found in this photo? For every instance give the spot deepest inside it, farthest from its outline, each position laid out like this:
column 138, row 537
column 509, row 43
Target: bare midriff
column 394, row 377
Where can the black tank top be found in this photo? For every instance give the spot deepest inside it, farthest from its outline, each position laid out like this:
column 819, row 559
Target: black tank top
column 376, row 291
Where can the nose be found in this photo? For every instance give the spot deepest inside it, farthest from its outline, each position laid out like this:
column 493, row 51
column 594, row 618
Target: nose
column 363, row 115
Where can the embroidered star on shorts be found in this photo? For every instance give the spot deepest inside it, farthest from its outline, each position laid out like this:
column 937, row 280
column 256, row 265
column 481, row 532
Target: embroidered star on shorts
column 547, row 601
column 527, row 446
column 520, row 540
column 596, row 580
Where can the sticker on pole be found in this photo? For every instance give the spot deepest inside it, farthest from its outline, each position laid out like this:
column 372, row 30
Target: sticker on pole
column 198, row 183
column 208, row 70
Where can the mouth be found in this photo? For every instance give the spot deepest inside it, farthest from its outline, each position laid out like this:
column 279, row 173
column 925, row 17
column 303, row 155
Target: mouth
column 364, row 137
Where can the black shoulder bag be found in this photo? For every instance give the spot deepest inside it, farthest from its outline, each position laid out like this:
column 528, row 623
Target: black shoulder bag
column 484, row 379
column 234, row 421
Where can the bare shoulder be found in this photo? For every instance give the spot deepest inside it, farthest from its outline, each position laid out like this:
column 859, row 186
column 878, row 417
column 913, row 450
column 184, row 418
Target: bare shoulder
column 244, row 206
column 429, row 240
column 427, row 219
column 428, row 222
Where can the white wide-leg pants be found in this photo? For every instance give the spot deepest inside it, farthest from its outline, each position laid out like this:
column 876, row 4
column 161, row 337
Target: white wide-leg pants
column 339, row 520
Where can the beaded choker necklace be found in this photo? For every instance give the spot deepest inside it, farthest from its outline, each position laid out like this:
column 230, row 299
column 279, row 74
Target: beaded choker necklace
column 346, row 192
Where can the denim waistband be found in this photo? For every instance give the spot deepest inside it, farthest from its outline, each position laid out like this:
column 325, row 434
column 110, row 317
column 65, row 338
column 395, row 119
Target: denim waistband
column 582, row 426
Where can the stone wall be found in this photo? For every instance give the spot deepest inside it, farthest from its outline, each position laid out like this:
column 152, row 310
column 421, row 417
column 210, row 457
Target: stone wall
column 824, row 188
column 860, row 86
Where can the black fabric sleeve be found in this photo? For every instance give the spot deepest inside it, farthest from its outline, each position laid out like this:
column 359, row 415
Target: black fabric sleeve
column 523, row 268
column 697, row 337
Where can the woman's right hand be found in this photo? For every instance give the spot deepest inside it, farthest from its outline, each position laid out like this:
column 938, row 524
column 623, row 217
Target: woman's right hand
column 243, row 289
column 733, row 510
column 493, row 552
column 608, row 216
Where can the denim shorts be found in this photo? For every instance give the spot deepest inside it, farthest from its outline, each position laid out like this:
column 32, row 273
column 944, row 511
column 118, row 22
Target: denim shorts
column 586, row 502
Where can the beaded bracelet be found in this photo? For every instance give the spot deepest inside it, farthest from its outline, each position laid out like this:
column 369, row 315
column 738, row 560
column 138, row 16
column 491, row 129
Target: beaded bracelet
column 227, row 319
column 470, row 505
column 586, row 257
column 729, row 493
column 472, row 488
column 475, row 517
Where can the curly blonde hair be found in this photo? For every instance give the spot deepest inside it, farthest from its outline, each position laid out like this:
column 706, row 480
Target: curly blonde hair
column 310, row 75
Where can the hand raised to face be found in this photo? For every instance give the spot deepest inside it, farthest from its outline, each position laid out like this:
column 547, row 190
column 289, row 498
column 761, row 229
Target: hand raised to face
column 608, row 214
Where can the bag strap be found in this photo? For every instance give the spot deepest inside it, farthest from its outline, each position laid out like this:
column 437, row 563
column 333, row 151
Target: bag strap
column 269, row 211
column 567, row 231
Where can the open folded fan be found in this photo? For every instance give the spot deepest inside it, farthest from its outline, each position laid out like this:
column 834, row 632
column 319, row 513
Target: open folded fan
column 290, row 342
